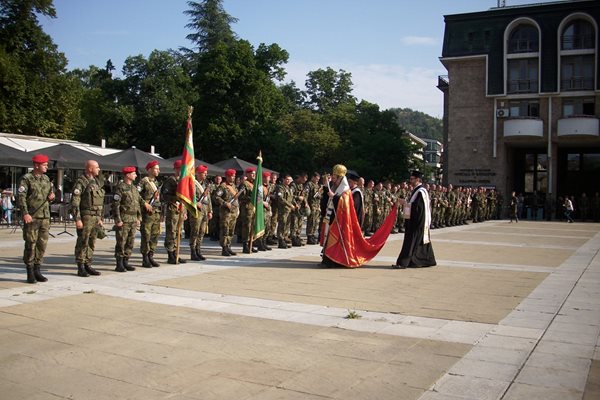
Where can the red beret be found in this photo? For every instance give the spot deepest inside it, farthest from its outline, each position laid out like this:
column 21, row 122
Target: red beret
column 266, row 174
column 250, row 169
column 151, row 164
column 40, row 158
column 127, row 170
column 201, row 168
column 177, row 164
column 230, row 172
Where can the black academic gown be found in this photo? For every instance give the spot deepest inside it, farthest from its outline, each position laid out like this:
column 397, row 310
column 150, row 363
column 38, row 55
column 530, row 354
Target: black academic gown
column 414, row 253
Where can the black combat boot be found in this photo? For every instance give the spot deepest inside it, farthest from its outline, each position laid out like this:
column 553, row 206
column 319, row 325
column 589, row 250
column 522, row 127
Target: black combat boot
column 146, row 261
column 90, row 270
column 179, row 259
column 260, row 245
column 282, row 244
column 171, row 257
column 225, row 252
column 265, row 244
column 194, row 254
column 151, row 259
column 81, row 270
column 199, row 253
column 296, row 242
column 120, row 267
column 231, row 252
column 246, row 248
column 30, row 274
column 38, row 274
column 126, row 264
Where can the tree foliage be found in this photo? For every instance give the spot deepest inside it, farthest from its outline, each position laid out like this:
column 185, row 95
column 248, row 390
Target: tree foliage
column 419, row 123
column 210, row 25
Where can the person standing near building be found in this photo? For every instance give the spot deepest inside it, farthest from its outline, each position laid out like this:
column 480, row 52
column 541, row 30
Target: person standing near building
column 173, row 211
column 87, row 207
column 34, row 194
column 7, row 206
column 226, row 198
column 514, row 203
column 416, row 248
column 126, row 212
column 568, row 209
column 199, row 222
column 151, row 211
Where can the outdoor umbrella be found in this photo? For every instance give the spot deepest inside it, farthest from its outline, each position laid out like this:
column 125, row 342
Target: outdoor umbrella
column 65, row 156
column 129, row 157
column 213, row 170
column 11, row 157
column 238, row 164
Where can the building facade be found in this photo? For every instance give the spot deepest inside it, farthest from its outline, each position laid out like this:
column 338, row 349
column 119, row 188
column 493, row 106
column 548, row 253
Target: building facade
column 522, row 99
column 433, row 159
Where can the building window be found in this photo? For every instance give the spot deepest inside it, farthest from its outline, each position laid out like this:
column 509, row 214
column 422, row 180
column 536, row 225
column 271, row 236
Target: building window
column 524, row 108
column 578, row 35
column 524, row 39
column 522, row 75
column 577, row 72
column 578, row 106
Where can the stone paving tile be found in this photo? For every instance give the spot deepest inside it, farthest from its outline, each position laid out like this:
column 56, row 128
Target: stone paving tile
column 592, row 386
column 522, row 391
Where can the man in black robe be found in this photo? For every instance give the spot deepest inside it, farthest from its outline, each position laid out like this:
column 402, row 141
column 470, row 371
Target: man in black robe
column 416, row 248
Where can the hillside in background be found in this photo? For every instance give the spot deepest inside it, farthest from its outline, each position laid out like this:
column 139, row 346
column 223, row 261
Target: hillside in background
column 419, row 123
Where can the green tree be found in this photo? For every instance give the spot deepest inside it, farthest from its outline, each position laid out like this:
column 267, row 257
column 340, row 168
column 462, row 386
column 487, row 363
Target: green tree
column 159, row 91
column 327, row 89
column 210, row 25
column 36, row 96
column 419, row 123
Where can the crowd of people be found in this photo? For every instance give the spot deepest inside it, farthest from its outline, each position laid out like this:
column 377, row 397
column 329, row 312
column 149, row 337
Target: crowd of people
column 225, row 209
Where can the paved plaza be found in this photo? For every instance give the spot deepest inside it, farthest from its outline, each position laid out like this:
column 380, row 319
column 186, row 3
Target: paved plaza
column 512, row 311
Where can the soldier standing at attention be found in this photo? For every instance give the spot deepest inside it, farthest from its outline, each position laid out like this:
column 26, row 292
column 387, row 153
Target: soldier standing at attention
column 247, row 209
column 126, row 212
column 35, row 191
column 285, row 202
column 226, row 198
column 262, row 241
column 87, row 207
column 199, row 222
column 314, row 202
column 272, row 238
column 150, row 229
column 173, row 209
column 213, row 225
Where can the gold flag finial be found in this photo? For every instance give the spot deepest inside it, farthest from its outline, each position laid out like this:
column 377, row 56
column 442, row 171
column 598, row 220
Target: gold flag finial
column 190, row 111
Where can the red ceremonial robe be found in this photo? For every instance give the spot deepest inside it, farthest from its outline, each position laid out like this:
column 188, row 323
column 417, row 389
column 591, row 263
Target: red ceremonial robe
column 345, row 244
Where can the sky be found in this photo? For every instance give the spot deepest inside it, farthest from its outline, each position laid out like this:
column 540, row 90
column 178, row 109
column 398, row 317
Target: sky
column 391, row 47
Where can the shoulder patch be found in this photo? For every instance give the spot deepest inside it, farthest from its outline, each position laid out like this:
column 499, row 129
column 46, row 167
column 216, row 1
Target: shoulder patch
column 220, row 192
column 22, row 189
column 76, row 192
column 139, row 188
column 117, row 197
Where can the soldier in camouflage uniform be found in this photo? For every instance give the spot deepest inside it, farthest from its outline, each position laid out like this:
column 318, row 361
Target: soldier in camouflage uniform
column 199, row 222
column 126, row 212
column 368, row 198
column 297, row 215
column 377, row 206
column 87, row 208
column 226, row 198
column 247, row 209
column 262, row 241
column 285, row 202
column 213, row 224
column 272, row 238
column 151, row 211
column 314, row 202
column 35, row 192
column 173, row 210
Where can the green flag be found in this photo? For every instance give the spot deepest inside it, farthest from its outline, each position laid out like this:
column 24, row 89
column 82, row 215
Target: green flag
column 257, row 202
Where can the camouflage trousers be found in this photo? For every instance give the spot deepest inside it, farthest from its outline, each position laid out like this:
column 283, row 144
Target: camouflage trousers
column 171, row 221
column 312, row 222
column 274, row 220
column 283, row 225
column 368, row 222
column 247, row 222
column 125, row 236
column 198, row 228
column 150, row 230
column 35, row 235
column 227, row 220
column 295, row 224
column 86, row 239
column 268, row 225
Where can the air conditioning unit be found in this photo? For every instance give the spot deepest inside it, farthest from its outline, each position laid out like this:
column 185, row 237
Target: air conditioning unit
column 502, row 112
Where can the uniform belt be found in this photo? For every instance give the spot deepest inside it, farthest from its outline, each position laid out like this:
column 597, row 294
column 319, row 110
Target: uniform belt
column 91, row 212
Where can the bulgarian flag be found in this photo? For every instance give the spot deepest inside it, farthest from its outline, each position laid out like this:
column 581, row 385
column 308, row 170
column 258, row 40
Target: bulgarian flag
column 257, row 202
column 186, row 187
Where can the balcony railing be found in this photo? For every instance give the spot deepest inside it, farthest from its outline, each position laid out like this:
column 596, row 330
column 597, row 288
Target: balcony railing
column 523, row 86
column 577, row 83
column 523, row 127
column 578, row 126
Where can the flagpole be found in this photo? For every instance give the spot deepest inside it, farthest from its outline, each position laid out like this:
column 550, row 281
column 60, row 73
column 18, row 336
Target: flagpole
column 180, row 206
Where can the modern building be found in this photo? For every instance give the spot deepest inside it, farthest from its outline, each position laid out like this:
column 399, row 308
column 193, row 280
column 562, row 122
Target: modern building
column 433, row 159
column 522, row 98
